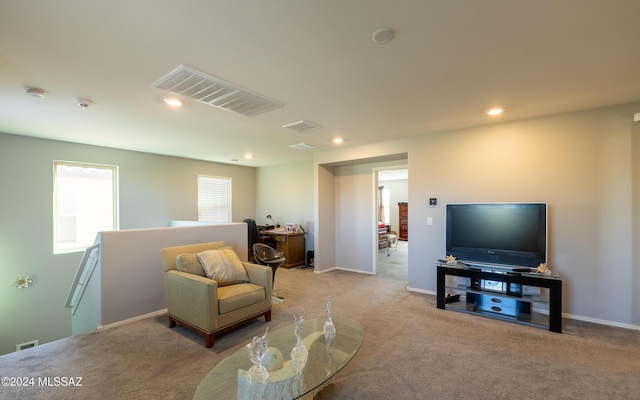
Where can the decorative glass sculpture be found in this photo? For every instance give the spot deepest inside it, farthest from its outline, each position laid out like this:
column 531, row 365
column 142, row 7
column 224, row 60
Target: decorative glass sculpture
column 329, row 351
column 257, row 348
column 299, row 353
column 328, row 328
column 543, row 269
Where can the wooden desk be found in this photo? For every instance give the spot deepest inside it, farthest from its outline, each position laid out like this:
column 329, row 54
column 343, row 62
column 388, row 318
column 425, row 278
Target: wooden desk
column 292, row 245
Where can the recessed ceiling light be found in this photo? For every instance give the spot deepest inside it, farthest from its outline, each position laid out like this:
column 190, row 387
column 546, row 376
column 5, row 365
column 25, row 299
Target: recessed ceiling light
column 338, row 140
column 495, row 111
column 173, row 102
column 248, row 156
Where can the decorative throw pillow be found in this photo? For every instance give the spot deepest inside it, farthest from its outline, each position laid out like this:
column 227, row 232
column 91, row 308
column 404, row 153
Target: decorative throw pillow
column 223, row 266
column 189, row 263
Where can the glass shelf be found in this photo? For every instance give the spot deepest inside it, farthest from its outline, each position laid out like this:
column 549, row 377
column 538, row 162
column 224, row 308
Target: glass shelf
column 536, row 317
column 542, row 298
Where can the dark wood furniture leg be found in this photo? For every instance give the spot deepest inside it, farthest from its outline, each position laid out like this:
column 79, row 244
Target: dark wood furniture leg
column 210, row 336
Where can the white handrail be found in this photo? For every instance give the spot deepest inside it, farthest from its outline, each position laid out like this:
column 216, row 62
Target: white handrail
column 85, row 269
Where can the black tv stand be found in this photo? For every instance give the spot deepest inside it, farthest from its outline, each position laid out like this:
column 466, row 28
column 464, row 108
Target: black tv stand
column 501, row 293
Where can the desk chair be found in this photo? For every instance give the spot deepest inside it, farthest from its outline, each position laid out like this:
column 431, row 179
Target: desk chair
column 266, row 255
column 254, row 237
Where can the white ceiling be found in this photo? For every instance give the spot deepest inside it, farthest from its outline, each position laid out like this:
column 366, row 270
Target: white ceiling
column 449, row 63
column 393, row 174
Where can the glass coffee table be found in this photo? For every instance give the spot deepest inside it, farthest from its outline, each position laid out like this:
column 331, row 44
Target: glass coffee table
column 327, row 356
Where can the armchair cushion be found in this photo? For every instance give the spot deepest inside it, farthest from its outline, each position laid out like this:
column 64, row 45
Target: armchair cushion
column 234, row 297
column 223, row 266
column 189, row 263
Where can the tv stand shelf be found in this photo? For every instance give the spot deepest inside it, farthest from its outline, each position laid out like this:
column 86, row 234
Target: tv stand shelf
column 544, row 309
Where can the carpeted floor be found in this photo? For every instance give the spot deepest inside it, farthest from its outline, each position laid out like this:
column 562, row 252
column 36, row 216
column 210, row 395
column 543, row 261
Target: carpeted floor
column 411, row 350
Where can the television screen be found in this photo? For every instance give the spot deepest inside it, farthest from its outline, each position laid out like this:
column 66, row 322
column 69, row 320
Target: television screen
column 511, row 234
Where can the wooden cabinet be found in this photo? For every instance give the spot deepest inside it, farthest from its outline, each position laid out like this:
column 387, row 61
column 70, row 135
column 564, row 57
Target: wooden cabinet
column 403, row 215
column 292, row 245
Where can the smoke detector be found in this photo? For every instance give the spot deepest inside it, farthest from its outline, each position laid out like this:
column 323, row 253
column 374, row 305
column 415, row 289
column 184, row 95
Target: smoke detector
column 84, row 103
column 36, row 92
column 383, row 35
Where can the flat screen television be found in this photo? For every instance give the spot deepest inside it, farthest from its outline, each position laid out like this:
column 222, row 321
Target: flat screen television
column 503, row 234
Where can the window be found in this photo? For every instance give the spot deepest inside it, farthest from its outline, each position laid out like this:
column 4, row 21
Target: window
column 84, row 202
column 214, row 199
column 386, row 198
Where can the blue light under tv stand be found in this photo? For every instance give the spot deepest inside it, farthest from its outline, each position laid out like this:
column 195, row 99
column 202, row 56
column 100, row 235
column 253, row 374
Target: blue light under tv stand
column 489, row 293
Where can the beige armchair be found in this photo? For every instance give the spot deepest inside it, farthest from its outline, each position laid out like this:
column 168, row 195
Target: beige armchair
column 204, row 305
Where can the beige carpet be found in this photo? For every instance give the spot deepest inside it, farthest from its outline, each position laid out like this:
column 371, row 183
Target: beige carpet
column 411, row 350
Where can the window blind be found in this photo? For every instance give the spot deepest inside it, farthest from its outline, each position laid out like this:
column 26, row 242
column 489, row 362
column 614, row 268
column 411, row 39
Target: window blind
column 214, row 199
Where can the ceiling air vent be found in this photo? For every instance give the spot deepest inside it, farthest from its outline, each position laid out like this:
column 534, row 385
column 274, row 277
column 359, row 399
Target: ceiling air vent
column 188, row 82
column 302, row 126
column 302, row 146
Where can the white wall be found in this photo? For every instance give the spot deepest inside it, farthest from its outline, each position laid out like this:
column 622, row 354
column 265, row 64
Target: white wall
column 633, row 298
column 324, row 214
column 579, row 163
column 355, row 216
column 154, row 190
column 286, row 193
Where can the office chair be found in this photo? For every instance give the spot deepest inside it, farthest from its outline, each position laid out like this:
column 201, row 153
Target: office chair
column 266, row 255
column 254, row 237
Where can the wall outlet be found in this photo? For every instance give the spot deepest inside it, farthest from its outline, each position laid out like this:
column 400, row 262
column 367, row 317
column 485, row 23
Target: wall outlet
column 26, row 345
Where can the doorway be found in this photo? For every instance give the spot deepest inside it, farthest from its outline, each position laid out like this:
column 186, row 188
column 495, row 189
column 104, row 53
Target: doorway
column 392, row 186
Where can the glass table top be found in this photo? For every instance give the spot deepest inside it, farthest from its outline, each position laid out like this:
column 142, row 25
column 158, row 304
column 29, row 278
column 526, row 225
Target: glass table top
column 327, row 356
column 502, row 270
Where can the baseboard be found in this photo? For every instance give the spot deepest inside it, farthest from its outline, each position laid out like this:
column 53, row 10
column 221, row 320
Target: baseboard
column 412, row 289
column 134, row 319
column 342, row 269
column 355, row 270
column 324, row 271
column 601, row 321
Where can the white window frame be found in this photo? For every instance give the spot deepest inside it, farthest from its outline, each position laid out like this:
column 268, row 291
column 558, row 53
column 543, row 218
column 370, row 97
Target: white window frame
column 59, row 210
column 214, row 199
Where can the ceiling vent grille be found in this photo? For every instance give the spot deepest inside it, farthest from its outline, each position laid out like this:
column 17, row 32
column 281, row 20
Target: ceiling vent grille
column 302, row 126
column 188, row 82
column 302, row 146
